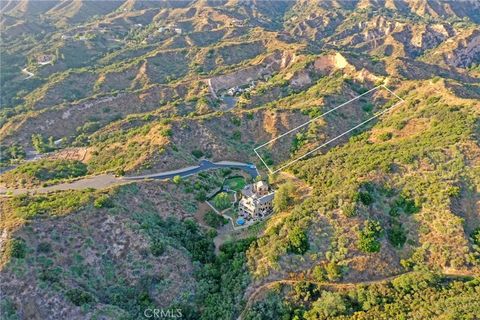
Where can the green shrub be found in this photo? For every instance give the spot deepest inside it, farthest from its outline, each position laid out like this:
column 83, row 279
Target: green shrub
column 329, row 305
column 103, row 201
column 414, row 281
column 368, row 242
column 367, row 107
column 475, row 235
column 197, row 153
column 177, row 179
column 318, row 274
column 333, row 270
column 408, row 206
column 78, row 297
column 50, row 274
column 236, row 121
column 157, row 248
column 45, row 170
column 237, row 135
column 396, row 235
column 214, row 220
column 298, row 141
column 297, row 241
column 17, row 248
column 12, row 152
column 28, row 207
column 385, row 136
column 364, row 198
column 201, row 196
column 44, row 247
column 349, row 209
column 166, row 132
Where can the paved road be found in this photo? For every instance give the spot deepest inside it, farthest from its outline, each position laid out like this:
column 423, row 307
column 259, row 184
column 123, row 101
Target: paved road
column 108, row 180
column 204, row 165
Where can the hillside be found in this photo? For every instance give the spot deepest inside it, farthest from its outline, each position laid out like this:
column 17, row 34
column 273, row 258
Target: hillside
column 376, row 103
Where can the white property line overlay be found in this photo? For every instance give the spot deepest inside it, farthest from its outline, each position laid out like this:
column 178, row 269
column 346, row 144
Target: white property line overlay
column 333, row 139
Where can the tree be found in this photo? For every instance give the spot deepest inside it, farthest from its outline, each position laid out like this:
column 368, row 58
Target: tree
column 283, row 197
column 41, row 145
column 318, row 273
column 51, row 143
column 214, row 220
column 364, row 198
column 414, row 281
column 38, row 143
column 368, row 242
column 329, row 305
column 396, row 235
column 78, row 297
column 222, row 201
column 177, row 179
column 15, row 151
column 197, row 153
column 297, row 241
column 333, row 270
column 475, row 235
column 157, row 248
column 17, row 248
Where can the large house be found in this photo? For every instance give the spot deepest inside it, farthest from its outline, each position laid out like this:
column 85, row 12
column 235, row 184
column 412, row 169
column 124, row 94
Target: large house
column 256, row 201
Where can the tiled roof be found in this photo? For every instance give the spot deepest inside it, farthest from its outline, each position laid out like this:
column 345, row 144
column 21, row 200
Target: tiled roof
column 266, row 198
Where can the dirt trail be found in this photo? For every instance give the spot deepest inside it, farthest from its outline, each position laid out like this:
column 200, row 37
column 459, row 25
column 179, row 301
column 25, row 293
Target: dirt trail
column 450, row 273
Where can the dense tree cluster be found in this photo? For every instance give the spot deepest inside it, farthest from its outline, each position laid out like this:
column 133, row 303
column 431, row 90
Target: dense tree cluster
column 297, row 241
column 214, row 220
column 368, row 237
column 222, row 201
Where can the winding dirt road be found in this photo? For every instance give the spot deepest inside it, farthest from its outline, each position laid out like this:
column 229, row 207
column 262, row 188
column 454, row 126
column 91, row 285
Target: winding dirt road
column 450, row 273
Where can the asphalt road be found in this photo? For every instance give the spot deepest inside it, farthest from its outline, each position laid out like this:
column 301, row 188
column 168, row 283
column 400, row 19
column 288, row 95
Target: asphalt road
column 204, row 165
column 108, row 180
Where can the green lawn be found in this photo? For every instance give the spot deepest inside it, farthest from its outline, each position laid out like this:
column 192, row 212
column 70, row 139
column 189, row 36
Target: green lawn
column 236, row 183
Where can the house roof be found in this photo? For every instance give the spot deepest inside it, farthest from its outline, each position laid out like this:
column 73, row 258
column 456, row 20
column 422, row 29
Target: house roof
column 266, row 198
column 261, row 184
column 248, row 192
